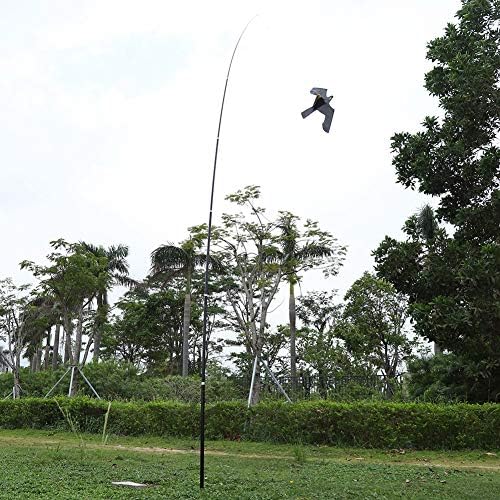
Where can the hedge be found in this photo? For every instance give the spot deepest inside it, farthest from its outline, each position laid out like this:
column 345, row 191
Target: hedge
column 371, row 425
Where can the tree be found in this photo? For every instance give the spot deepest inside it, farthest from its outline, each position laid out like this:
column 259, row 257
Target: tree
column 147, row 331
column 117, row 268
column 318, row 344
column 445, row 377
column 170, row 261
column 373, row 327
column 248, row 246
column 274, row 342
column 73, row 278
column 302, row 250
column 43, row 315
column 14, row 310
column 25, row 319
column 453, row 282
column 457, row 157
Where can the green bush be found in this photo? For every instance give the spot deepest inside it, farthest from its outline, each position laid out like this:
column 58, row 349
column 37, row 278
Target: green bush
column 449, row 377
column 377, row 425
column 121, row 381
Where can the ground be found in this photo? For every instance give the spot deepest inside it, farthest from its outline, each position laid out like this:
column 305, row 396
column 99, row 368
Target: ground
column 43, row 464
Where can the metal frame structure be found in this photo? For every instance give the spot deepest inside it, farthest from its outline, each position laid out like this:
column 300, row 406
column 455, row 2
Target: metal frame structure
column 73, row 368
column 273, row 378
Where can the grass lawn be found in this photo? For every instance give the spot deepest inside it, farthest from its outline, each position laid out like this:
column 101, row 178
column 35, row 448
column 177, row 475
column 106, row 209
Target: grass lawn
column 42, row 464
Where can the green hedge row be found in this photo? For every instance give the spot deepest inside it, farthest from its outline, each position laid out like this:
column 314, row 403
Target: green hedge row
column 376, row 425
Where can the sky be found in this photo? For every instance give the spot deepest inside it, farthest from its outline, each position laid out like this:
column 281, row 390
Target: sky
column 109, row 112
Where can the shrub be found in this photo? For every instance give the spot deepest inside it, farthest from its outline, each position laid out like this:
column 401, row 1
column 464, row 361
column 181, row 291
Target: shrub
column 377, row 425
column 381, row 425
column 449, row 377
column 121, row 381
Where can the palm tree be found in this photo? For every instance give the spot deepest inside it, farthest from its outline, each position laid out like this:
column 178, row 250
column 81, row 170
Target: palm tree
column 297, row 256
column 117, row 269
column 40, row 316
column 169, row 262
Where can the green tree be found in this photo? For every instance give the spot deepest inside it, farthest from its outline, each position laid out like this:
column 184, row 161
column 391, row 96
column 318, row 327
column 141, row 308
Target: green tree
column 117, row 268
column 73, row 278
column 303, row 249
column 319, row 347
column 248, row 246
column 14, row 312
column 25, row 320
column 453, row 281
column 445, row 377
column 373, row 326
column 170, row 261
column 43, row 315
column 147, row 332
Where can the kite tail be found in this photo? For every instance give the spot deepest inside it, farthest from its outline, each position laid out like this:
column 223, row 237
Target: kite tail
column 307, row 112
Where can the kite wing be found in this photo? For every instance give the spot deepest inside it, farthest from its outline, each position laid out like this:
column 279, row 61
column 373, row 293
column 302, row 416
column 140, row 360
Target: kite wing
column 307, row 112
column 328, row 111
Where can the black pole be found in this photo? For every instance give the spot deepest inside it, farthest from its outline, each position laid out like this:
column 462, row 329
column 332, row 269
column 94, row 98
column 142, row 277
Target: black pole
column 207, row 265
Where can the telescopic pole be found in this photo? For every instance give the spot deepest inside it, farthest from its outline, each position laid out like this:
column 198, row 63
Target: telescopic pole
column 207, row 265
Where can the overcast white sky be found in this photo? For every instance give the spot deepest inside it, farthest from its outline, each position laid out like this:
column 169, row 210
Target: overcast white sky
column 109, row 111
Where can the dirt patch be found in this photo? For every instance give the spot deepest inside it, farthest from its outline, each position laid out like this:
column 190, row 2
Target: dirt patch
column 42, row 441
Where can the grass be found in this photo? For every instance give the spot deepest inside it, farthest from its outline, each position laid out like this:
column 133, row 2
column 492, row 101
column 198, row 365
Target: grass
column 42, row 464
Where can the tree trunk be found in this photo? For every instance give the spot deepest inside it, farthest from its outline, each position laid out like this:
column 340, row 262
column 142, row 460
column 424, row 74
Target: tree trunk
column 68, row 328
column 258, row 353
column 16, row 391
column 39, row 354
column 322, row 383
column 437, row 349
column 87, row 350
column 55, row 351
column 293, row 335
column 66, row 348
column 78, row 338
column 46, row 356
column 185, row 326
column 102, row 311
column 78, row 348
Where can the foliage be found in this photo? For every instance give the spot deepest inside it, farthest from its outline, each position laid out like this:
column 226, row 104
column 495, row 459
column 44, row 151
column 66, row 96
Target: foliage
column 373, row 326
column 394, row 425
column 148, row 329
column 453, row 281
column 447, row 377
column 457, row 157
column 319, row 349
column 24, row 318
column 117, row 269
column 73, row 278
column 169, row 262
column 121, row 381
column 303, row 249
column 383, row 425
column 248, row 247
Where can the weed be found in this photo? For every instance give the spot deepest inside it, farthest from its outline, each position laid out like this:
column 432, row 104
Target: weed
column 104, row 435
column 300, row 454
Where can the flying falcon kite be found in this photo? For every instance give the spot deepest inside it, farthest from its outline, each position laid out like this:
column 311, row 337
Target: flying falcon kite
column 321, row 104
